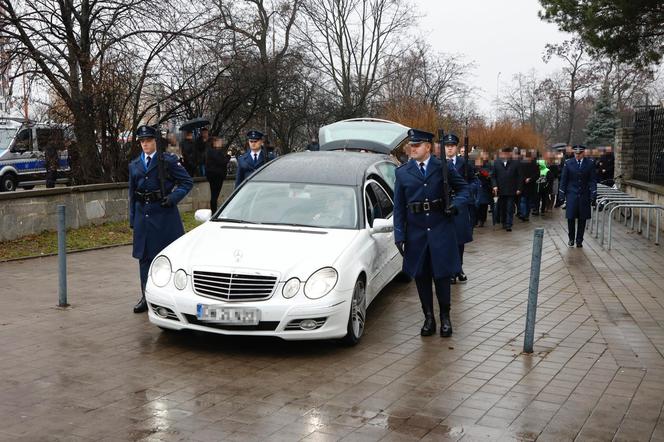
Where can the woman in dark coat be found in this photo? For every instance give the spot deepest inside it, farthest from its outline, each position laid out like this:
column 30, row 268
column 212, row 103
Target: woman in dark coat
column 484, row 195
column 216, row 163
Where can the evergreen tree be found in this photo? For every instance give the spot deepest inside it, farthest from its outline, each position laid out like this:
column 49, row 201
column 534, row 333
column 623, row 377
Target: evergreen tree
column 601, row 127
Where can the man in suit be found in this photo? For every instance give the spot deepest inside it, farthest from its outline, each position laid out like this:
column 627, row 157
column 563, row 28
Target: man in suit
column 154, row 192
column 578, row 186
column 253, row 159
column 464, row 220
column 506, row 181
column 529, row 171
column 424, row 229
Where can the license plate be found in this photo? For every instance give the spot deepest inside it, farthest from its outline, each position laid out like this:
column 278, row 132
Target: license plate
column 228, row 315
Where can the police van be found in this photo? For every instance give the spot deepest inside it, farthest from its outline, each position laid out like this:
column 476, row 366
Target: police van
column 22, row 148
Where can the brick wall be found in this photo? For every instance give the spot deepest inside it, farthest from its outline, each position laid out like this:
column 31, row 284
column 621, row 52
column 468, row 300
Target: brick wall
column 33, row 211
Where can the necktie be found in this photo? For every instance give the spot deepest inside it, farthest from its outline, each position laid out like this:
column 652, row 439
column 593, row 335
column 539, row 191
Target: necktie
column 147, row 162
column 255, row 157
column 422, row 169
column 579, row 164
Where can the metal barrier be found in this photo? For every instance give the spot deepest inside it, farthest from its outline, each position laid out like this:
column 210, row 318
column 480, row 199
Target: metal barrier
column 610, row 200
column 639, row 206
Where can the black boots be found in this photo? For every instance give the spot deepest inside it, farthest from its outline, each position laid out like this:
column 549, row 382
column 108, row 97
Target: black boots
column 141, row 306
column 446, row 323
column 429, row 327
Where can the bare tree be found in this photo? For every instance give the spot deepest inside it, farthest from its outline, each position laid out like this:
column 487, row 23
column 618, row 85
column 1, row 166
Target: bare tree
column 351, row 40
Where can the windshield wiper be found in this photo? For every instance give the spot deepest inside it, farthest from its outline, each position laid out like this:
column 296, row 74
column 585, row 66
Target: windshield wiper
column 291, row 224
column 232, row 220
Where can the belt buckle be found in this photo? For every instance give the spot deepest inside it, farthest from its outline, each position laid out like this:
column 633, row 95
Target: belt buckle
column 425, row 206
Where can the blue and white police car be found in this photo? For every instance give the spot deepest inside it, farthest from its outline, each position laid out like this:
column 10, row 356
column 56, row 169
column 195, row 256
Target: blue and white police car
column 22, row 147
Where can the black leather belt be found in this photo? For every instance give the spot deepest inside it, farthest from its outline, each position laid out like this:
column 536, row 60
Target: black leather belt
column 426, row 206
column 147, row 197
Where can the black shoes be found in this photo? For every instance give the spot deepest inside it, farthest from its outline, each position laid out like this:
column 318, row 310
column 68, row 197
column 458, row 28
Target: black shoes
column 579, row 245
column 446, row 325
column 429, row 327
column 508, row 229
column 462, row 277
column 141, row 306
column 453, row 280
column 571, row 243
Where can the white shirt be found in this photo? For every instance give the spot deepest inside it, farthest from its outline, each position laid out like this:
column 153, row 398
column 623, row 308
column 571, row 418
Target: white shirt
column 426, row 163
column 149, row 156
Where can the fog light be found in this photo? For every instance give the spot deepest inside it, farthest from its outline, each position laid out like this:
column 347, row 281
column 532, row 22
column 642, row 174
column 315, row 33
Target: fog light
column 162, row 312
column 308, row 324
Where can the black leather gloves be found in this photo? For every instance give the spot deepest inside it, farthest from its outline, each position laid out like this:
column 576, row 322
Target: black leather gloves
column 451, row 211
column 401, row 246
column 165, row 202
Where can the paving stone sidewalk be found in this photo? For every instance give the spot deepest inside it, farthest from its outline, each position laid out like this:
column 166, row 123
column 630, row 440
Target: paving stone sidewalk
column 99, row 372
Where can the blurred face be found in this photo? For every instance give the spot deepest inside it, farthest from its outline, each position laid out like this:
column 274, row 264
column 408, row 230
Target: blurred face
column 255, row 145
column 579, row 154
column 462, row 151
column 504, row 155
column 205, row 134
column 217, row 143
column 436, row 149
column 149, row 145
column 188, row 136
column 451, row 150
column 420, row 151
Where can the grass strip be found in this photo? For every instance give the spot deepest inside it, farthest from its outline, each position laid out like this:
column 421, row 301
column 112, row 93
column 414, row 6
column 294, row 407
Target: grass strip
column 88, row 237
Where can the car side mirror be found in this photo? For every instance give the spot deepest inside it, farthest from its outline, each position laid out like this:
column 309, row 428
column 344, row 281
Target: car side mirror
column 203, row 215
column 382, row 225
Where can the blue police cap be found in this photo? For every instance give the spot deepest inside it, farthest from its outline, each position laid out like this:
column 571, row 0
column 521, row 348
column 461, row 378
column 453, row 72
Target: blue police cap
column 450, row 139
column 578, row 148
column 419, row 136
column 146, row 132
column 254, row 135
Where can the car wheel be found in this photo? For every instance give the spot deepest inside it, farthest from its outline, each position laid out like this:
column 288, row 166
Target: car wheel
column 8, row 182
column 358, row 314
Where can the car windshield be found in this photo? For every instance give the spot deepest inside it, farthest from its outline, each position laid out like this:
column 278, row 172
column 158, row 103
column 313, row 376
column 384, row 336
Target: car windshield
column 384, row 133
column 6, row 136
column 293, row 204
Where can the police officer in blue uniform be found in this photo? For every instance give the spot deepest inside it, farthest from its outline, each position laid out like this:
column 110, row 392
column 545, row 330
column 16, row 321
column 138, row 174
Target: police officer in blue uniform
column 463, row 221
column 253, row 159
column 154, row 191
column 424, row 229
column 578, row 187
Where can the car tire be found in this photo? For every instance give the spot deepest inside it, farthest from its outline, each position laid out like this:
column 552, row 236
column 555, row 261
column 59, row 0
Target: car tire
column 403, row 278
column 357, row 315
column 8, row 182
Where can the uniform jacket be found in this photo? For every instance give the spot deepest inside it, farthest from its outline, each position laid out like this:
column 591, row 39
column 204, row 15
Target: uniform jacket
column 154, row 226
column 431, row 232
column 579, row 187
column 506, row 178
column 464, row 220
column 246, row 165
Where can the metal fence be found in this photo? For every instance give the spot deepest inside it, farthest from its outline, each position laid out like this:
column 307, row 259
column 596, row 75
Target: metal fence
column 649, row 145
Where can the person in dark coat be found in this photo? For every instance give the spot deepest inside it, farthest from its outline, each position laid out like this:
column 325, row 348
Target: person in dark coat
column 313, row 146
column 253, row 159
column 202, row 144
column 188, row 151
column 605, row 167
column 506, row 181
column 424, row 229
column 464, row 220
column 484, row 198
column 216, row 166
column 529, row 171
column 578, row 186
column 52, row 156
column 154, row 216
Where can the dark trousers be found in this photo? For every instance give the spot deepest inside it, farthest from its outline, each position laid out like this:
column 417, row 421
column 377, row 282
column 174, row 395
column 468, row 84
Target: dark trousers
column 482, row 213
column 144, row 268
column 461, row 249
column 51, row 177
column 542, row 201
column 576, row 227
column 506, row 210
column 425, row 289
column 216, row 181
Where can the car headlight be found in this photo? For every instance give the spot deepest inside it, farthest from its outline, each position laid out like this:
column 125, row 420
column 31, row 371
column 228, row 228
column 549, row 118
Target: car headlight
column 160, row 271
column 291, row 288
column 180, row 279
column 320, row 283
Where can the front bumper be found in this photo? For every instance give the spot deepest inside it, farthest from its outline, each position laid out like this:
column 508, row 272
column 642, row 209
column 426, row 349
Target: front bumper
column 277, row 313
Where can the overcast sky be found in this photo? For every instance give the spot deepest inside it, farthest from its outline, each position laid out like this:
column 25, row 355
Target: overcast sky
column 503, row 36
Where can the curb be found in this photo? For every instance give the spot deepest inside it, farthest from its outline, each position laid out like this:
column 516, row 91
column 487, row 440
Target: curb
column 24, row 258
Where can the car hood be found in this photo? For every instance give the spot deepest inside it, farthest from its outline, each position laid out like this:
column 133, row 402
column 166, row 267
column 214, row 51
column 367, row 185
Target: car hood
column 291, row 251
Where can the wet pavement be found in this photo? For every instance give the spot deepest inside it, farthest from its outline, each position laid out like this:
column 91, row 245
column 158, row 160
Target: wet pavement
column 98, row 372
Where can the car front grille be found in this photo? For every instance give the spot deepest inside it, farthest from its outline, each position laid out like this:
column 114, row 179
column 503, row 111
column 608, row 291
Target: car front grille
column 234, row 286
